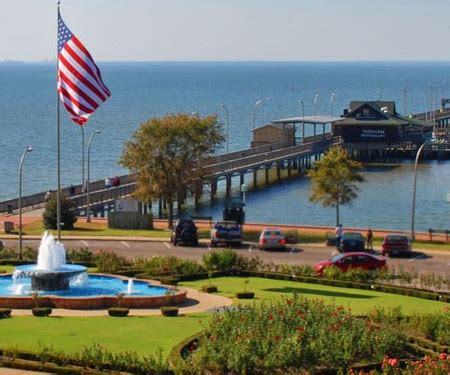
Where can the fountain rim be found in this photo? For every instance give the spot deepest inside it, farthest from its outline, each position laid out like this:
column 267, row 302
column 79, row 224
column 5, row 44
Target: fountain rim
column 99, row 302
column 67, row 269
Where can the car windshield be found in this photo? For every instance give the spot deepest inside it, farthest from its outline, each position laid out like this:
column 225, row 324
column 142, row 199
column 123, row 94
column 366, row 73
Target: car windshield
column 397, row 238
column 270, row 233
column 337, row 257
column 352, row 236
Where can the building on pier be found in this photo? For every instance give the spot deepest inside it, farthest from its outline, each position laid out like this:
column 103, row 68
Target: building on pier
column 373, row 129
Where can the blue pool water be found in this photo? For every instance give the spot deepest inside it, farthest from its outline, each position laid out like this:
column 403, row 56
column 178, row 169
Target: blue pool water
column 95, row 285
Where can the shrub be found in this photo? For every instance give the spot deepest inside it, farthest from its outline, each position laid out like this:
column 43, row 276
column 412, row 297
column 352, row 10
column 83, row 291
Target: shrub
column 81, row 255
column 221, row 260
column 209, row 288
column 245, row 295
column 434, row 327
column 5, row 313
column 8, row 253
column 118, row 311
column 169, row 280
column 168, row 265
column 41, row 311
column 68, row 216
column 291, row 335
column 169, row 311
column 109, row 262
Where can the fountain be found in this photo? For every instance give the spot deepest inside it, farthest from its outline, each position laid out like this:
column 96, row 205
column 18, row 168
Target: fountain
column 51, row 271
column 69, row 286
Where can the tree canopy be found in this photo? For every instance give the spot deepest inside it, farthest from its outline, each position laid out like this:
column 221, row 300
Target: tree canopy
column 335, row 180
column 165, row 154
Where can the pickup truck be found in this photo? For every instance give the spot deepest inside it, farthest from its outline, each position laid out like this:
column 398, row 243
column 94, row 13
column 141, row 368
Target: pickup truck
column 226, row 232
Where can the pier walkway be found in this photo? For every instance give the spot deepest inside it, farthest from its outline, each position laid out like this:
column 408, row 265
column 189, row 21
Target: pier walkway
column 215, row 168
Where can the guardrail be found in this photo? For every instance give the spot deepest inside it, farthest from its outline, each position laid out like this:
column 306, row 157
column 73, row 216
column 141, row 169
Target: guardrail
column 249, row 162
column 104, row 195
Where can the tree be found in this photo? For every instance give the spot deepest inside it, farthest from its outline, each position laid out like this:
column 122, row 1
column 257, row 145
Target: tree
column 68, row 216
column 335, row 180
column 165, row 155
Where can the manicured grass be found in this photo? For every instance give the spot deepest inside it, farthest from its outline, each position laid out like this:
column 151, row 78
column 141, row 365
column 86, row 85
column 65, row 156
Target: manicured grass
column 360, row 301
column 7, row 268
column 140, row 334
column 98, row 229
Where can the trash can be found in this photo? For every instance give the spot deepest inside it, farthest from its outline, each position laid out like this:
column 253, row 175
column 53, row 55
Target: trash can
column 9, row 208
column 8, row 226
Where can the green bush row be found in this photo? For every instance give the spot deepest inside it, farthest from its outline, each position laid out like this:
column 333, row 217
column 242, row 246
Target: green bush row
column 118, row 311
column 5, row 313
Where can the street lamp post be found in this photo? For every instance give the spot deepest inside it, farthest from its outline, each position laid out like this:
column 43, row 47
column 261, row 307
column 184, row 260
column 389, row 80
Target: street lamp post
column 303, row 119
column 88, row 202
column 405, row 107
column 260, row 101
column 226, row 123
column 28, row 149
column 413, row 212
column 316, row 101
column 333, row 97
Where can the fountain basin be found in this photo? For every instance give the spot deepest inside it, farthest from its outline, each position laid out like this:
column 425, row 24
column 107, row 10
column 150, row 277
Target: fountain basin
column 99, row 292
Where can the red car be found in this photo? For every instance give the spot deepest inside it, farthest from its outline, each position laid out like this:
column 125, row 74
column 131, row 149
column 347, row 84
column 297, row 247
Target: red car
column 346, row 261
column 395, row 244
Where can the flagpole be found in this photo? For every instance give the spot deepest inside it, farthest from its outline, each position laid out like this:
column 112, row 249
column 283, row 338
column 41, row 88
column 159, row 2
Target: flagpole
column 58, row 143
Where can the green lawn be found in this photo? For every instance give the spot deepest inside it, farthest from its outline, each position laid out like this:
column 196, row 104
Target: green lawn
column 360, row 301
column 140, row 334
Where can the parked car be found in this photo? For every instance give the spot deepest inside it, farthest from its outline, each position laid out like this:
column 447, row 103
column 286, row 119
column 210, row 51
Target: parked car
column 352, row 241
column 226, row 232
column 395, row 244
column 272, row 238
column 346, row 261
column 185, row 232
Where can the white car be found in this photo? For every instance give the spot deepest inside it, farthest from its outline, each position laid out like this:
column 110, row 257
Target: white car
column 272, row 238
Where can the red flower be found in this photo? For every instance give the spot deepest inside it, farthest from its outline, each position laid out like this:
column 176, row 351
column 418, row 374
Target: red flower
column 443, row 356
column 270, row 317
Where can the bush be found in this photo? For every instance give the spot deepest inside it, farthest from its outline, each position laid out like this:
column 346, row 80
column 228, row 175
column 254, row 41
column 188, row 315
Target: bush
column 41, row 311
column 292, row 335
column 118, row 311
column 209, row 288
column 434, row 327
column 109, row 262
column 81, row 255
column 5, row 313
column 222, row 260
column 168, row 265
column 68, row 216
column 245, row 295
column 169, row 280
column 169, row 311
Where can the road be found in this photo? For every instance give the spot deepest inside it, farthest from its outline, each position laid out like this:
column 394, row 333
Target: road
column 434, row 261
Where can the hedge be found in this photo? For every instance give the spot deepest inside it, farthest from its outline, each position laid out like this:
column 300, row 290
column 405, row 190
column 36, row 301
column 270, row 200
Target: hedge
column 169, row 311
column 118, row 311
column 41, row 311
column 5, row 313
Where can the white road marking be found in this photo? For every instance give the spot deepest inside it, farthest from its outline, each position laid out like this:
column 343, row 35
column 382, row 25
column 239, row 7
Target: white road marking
column 250, row 249
column 416, row 258
column 167, row 245
column 125, row 244
column 84, row 243
column 292, row 250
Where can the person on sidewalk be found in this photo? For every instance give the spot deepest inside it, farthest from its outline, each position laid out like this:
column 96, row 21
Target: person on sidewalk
column 108, row 182
column 369, row 236
column 339, row 231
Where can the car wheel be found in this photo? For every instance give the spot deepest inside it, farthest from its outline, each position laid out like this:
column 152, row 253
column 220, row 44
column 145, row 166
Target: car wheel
column 195, row 243
column 238, row 244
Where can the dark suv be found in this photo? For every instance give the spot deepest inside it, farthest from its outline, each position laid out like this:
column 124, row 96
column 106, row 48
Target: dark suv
column 185, row 232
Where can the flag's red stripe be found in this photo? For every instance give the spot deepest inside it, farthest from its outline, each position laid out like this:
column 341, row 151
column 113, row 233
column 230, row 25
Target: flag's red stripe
column 86, row 52
column 77, row 89
column 75, row 101
column 79, row 76
column 83, row 64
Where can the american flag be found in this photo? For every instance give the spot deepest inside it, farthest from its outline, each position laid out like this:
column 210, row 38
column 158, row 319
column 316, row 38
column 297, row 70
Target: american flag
column 80, row 84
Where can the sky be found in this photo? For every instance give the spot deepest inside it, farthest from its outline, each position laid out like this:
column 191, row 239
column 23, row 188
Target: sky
column 231, row 30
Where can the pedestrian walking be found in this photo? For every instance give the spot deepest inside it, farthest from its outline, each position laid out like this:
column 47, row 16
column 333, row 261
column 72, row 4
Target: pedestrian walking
column 116, row 181
column 339, row 231
column 369, row 236
column 108, row 182
column 72, row 190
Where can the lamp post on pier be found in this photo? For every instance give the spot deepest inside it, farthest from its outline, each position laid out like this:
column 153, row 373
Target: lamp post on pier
column 316, row 101
column 82, row 157
column 258, row 102
column 224, row 107
column 88, row 198
column 333, row 97
column 22, row 159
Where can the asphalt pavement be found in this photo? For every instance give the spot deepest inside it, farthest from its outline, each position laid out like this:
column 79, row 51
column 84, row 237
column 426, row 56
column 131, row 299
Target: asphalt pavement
column 308, row 254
